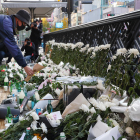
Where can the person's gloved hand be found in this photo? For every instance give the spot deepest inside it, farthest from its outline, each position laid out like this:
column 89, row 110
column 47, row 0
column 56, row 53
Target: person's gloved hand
column 28, row 70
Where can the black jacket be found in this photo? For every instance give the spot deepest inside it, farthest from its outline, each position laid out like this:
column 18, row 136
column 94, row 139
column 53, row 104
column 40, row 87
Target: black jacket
column 35, row 33
column 28, row 50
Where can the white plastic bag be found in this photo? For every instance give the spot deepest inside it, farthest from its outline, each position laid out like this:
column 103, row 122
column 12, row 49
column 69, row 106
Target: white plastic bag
column 134, row 110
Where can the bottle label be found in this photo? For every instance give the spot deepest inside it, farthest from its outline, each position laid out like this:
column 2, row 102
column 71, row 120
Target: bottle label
column 5, row 88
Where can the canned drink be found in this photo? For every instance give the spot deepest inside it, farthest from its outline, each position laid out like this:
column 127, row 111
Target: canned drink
column 38, row 110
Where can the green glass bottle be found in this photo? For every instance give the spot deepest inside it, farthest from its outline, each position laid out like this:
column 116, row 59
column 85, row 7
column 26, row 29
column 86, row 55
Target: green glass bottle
column 49, row 107
column 9, row 115
column 28, row 135
column 19, row 87
column 11, row 87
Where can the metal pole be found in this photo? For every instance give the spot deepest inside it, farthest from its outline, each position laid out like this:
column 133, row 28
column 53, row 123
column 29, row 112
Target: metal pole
column 101, row 9
column 32, row 13
column 69, row 19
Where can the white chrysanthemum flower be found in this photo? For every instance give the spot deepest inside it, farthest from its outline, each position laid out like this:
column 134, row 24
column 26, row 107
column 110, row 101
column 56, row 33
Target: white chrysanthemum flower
column 115, row 101
column 45, row 139
column 104, row 98
column 113, row 57
column 79, row 44
column 92, row 110
column 109, row 104
column 21, row 118
column 99, row 118
column 35, row 116
column 129, row 131
column 124, row 139
column 58, row 122
column 37, row 96
column 44, row 128
column 101, row 106
column 57, row 91
column 34, row 125
column 107, row 46
column 93, row 102
column 101, row 47
column 100, row 85
column 121, row 51
column 90, row 49
column 133, row 51
column 50, row 116
column 11, row 75
column 114, row 122
column 96, row 49
column 109, row 67
column 84, row 108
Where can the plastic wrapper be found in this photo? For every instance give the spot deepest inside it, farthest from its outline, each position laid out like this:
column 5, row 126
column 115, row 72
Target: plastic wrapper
column 41, row 104
column 118, row 109
column 114, row 132
column 36, row 68
column 75, row 104
column 134, row 110
column 96, row 131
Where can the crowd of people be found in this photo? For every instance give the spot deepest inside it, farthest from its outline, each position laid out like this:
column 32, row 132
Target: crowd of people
column 8, row 45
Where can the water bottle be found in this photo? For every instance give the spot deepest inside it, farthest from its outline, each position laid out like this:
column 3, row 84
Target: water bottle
column 62, row 136
column 14, row 98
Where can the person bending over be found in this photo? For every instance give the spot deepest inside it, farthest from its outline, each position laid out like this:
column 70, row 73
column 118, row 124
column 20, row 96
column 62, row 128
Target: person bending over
column 8, row 27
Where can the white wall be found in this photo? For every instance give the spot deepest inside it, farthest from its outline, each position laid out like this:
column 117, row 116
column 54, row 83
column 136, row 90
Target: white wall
column 91, row 16
column 116, row 11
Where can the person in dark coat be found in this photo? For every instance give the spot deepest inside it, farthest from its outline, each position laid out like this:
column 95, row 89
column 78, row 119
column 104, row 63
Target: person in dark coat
column 29, row 48
column 35, row 35
column 8, row 46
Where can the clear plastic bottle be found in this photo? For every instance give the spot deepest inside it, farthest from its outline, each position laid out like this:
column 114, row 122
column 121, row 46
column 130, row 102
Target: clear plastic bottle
column 62, row 136
column 14, row 98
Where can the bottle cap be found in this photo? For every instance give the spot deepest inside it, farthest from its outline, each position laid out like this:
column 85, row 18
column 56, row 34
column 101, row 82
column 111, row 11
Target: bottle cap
column 62, row 134
column 13, row 95
column 28, row 128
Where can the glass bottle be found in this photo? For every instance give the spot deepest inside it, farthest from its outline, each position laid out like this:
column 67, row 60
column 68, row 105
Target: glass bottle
column 21, row 96
column 28, row 135
column 49, row 107
column 10, row 87
column 37, row 97
column 19, row 87
column 62, row 136
column 6, row 83
column 9, row 115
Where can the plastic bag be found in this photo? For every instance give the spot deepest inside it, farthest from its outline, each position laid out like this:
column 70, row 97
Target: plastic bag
column 134, row 110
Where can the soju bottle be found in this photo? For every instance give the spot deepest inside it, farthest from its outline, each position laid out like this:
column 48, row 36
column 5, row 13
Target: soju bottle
column 6, row 83
column 10, row 87
column 21, row 96
column 49, row 107
column 9, row 115
column 28, row 136
column 19, row 87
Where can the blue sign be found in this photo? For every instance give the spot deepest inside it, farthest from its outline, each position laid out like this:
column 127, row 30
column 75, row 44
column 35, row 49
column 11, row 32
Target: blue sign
column 59, row 25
